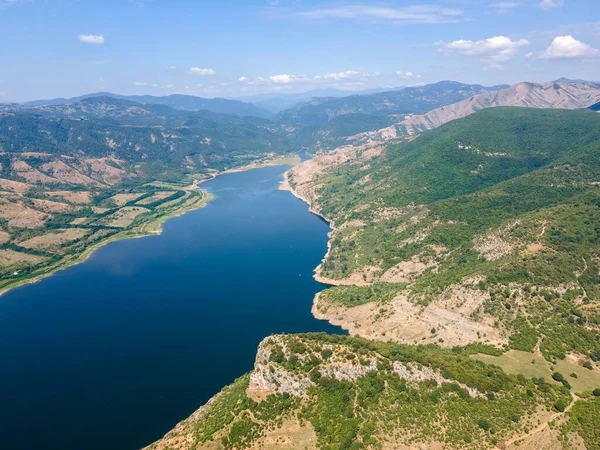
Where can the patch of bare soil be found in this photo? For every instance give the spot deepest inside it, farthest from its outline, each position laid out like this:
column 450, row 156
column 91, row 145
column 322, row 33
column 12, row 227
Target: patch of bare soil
column 156, row 197
column 82, row 197
column 416, row 446
column 124, row 216
column 4, row 237
column 11, row 258
column 13, row 186
column 52, row 207
column 54, row 240
column 19, row 215
column 67, row 174
column 406, row 271
column 290, row 435
column 360, row 277
column 31, row 175
column 492, row 247
column 104, row 169
column 121, row 199
column 446, row 320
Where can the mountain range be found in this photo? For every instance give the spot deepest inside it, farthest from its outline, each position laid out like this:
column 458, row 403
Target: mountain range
column 178, row 101
column 559, row 95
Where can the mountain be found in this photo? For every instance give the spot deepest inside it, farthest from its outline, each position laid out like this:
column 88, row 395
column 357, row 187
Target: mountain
column 276, row 102
column 178, row 101
column 147, row 134
column 569, row 80
column 564, row 95
column 406, row 101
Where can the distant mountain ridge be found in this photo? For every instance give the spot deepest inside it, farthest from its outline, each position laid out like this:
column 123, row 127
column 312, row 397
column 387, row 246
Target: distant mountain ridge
column 411, row 100
column 277, row 102
column 177, row 101
column 549, row 95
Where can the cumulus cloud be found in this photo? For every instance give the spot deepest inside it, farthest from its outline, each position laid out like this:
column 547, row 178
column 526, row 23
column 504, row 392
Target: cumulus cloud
column 549, row 4
column 285, row 78
column 407, row 75
column 91, row 38
column 429, row 14
column 493, row 51
column 242, row 79
column 201, row 71
column 565, row 47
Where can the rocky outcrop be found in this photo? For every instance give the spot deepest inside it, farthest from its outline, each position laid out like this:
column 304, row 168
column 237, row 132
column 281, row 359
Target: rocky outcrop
column 270, row 376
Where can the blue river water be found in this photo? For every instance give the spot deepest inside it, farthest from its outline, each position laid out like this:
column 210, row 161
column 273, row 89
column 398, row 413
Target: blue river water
column 113, row 352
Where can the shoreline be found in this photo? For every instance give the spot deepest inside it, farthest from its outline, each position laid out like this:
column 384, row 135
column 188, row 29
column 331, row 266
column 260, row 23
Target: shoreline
column 141, row 231
column 286, row 186
column 151, row 228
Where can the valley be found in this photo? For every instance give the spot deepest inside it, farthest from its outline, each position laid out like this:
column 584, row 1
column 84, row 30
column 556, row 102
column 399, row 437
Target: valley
column 462, row 258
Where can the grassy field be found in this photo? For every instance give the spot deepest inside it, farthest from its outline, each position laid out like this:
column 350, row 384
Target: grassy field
column 532, row 365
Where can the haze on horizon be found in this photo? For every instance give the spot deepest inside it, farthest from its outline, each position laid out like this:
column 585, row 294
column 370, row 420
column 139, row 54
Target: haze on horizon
column 234, row 48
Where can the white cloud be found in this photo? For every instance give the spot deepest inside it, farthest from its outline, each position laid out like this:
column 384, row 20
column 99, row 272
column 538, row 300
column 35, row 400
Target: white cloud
column 285, row 78
column 414, row 14
column 91, row 38
column 172, row 68
column 565, row 47
column 492, row 51
column 200, row 71
column 549, row 4
column 503, row 7
column 339, row 75
column 407, row 75
column 242, row 79
column 141, row 83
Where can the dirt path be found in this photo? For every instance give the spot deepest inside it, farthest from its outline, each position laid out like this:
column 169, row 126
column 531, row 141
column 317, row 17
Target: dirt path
column 543, row 425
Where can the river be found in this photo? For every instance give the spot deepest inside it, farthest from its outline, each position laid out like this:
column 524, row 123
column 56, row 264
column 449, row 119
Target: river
column 111, row 353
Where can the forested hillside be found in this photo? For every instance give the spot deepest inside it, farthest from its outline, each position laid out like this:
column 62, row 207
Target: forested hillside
column 503, row 205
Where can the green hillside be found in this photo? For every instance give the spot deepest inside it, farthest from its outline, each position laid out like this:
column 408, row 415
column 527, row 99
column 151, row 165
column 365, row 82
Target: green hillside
column 157, row 136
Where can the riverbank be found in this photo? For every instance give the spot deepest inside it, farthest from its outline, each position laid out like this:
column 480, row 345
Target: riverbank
column 151, row 227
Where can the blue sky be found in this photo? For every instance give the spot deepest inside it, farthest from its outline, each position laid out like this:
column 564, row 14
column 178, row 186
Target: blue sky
column 52, row 48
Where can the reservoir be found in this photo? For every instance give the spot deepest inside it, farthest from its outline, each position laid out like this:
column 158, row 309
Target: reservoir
column 113, row 352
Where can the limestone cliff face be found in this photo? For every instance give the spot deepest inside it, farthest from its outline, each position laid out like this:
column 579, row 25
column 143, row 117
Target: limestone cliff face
column 270, row 376
column 562, row 95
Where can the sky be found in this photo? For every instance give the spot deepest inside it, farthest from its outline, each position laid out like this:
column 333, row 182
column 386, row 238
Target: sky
column 235, row 48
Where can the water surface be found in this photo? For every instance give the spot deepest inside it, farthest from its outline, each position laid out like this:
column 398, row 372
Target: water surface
column 113, row 352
